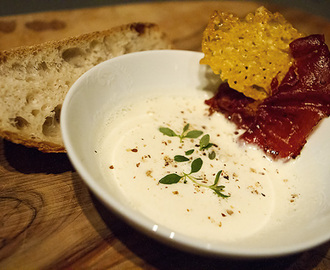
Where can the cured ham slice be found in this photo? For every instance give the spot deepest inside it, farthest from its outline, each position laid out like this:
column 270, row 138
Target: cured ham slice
column 281, row 123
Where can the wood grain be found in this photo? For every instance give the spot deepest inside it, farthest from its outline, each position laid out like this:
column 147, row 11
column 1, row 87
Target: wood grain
column 49, row 219
column 182, row 21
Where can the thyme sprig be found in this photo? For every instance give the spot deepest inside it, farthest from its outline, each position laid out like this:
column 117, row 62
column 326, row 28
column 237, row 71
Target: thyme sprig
column 204, row 142
column 195, row 167
column 196, row 164
column 193, row 134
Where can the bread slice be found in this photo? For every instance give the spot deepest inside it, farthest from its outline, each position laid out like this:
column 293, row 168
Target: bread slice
column 34, row 80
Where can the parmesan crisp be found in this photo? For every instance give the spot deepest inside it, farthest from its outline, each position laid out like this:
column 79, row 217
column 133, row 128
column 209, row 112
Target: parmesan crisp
column 249, row 53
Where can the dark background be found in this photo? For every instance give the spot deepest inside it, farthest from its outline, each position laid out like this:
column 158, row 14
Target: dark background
column 11, row 7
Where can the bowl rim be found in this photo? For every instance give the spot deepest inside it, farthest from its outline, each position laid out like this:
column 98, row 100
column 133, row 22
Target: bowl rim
column 146, row 225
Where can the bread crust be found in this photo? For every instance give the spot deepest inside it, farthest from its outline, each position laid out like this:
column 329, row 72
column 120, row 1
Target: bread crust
column 43, row 146
column 23, row 122
column 23, row 51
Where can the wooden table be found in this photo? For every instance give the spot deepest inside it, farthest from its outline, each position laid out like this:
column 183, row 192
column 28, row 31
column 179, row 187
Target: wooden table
column 48, row 217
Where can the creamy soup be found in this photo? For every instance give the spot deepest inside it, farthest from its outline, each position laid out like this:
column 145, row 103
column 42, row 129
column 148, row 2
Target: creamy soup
column 258, row 193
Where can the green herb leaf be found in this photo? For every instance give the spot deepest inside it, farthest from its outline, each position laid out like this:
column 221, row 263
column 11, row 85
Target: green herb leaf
column 193, row 134
column 218, row 190
column 217, row 177
column 204, row 141
column 185, row 128
column 196, row 165
column 167, row 131
column 208, row 146
column 169, row 179
column 212, row 155
column 179, row 158
column 189, row 152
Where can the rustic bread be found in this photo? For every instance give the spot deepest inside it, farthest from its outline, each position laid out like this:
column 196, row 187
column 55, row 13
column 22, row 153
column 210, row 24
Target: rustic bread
column 34, row 80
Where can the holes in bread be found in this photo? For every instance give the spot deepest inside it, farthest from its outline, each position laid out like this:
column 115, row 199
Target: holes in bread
column 42, row 66
column 95, row 45
column 45, row 107
column 35, row 112
column 19, row 122
column 31, row 99
column 74, row 56
column 51, row 126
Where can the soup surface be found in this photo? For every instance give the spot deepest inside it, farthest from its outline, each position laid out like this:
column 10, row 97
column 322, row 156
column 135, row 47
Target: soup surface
column 259, row 195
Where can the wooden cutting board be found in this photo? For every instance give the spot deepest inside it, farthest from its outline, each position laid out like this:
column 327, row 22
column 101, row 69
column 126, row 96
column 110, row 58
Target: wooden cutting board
column 48, row 218
column 182, row 21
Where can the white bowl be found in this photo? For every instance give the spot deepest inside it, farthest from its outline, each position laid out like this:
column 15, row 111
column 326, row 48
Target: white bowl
column 141, row 74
